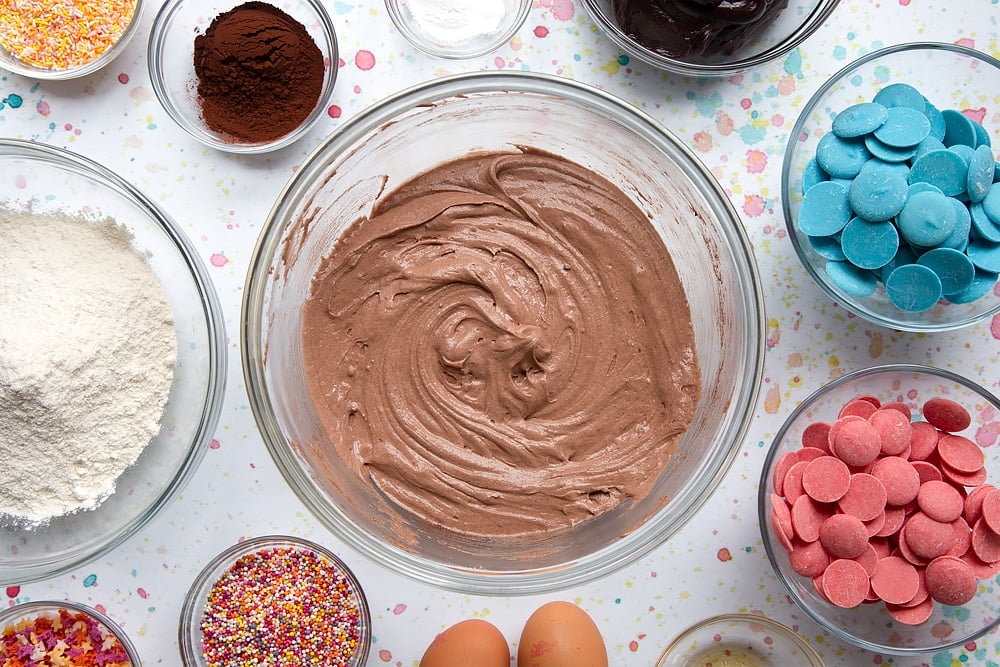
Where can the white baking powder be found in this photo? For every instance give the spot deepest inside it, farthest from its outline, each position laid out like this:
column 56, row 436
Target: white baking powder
column 454, row 21
column 87, row 350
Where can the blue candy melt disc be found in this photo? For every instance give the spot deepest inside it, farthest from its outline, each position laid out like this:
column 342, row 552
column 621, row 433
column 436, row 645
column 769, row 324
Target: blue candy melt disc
column 859, row 119
column 942, row 168
column 913, row 288
column 926, row 220
column 841, row 158
column 982, row 285
column 850, row 279
column 958, row 129
column 825, row 209
column 879, row 191
column 954, row 269
column 903, row 128
column 869, row 245
column 900, row 95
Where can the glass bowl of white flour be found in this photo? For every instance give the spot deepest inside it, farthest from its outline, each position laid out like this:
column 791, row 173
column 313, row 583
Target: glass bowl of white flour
column 112, row 360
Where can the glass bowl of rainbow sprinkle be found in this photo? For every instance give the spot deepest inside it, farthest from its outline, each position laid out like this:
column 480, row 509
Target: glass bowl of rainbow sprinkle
column 275, row 600
column 65, row 40
column 37, row 634
column 891, row 187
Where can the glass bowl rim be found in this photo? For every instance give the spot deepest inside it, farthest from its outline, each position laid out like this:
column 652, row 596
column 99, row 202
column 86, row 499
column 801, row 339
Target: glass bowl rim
column 484, row 47
column 155, row 52
column 87, row 68
column 516, row 581
column 26, row 608
column 215, row 380
column 776, row 627
column 764, row 485
column 210, row 573
column 837, row 295
column 806, row 28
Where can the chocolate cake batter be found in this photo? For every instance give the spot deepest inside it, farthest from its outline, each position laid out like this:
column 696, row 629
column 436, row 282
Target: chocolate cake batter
column 503, row 347
column 683, row 28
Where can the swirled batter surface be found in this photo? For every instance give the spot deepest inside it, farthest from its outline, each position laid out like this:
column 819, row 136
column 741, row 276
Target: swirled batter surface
column 503, row 347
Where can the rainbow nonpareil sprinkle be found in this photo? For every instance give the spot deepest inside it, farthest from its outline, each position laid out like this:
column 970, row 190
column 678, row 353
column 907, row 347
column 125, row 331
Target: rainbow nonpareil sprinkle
column 60, row 34
column 281, row 606
column 64, row 639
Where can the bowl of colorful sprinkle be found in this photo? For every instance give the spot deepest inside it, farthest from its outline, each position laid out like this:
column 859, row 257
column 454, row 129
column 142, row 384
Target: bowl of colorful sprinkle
column 267, row 598
column 35, row 634
column 880, row 512
column 889, row 187
column 65, row 40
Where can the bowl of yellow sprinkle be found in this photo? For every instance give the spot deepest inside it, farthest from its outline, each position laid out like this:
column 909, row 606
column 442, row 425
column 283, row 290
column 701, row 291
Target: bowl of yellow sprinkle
column 55, row 39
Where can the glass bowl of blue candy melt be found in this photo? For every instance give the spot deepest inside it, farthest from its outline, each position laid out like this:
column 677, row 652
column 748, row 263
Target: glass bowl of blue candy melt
column 891, row 187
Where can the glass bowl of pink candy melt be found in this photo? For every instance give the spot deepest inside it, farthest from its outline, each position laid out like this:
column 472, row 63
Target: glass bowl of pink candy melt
column 883, row 201
column 879, row 511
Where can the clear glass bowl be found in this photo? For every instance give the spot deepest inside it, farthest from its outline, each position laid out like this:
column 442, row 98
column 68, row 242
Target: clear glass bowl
column 739, row 639
column 948, row 75
column 29, row 611
column 171, row 66
column 12, row 63
column 870, row 627
column 52, row 179
column 452, row 117
column 190, row 635
column 795, row 23
column 455, row 42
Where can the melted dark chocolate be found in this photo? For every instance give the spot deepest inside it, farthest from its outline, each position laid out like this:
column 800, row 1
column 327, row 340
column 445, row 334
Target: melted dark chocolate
column 682, row 28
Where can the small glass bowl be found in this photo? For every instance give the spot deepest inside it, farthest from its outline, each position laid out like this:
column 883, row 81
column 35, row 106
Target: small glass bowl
column 869, row 626
column 51, row 179
column 190, row 634
column 12, row 63
column 948, row 75
column 451, row 41
column 443, row 120
column 11, row 617
column 795, row 23
column 171, row 66
column 739, row 639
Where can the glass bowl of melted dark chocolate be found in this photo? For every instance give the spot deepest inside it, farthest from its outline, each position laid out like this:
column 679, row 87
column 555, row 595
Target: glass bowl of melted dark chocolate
column 708, row 37
column 502, row 333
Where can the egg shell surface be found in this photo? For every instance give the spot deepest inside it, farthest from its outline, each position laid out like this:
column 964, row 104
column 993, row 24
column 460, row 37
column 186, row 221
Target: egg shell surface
column 561, row 634
column 470, row 642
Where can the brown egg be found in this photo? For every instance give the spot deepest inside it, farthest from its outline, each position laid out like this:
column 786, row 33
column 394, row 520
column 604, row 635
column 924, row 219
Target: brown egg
column 472, row 642
column 560, row 634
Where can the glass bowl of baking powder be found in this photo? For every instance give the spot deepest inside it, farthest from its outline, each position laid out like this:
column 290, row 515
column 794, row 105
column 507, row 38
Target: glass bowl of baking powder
column 112, row 360
column 458, row 29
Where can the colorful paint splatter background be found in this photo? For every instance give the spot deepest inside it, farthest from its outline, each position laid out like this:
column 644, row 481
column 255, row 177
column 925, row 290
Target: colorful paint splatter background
column 737, row 126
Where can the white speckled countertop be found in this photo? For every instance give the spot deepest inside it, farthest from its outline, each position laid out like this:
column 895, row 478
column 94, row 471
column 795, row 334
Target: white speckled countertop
column 737, row 126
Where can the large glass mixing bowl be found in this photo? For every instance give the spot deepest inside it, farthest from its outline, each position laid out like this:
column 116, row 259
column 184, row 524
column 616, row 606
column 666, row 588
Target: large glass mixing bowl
column 449, row 118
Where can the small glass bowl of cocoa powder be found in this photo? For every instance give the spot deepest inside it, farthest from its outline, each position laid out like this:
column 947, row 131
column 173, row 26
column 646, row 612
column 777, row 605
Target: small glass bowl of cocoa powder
column 243, row 77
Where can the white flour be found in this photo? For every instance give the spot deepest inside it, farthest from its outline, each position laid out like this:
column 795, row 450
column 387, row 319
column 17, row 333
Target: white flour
column 87, row 351
column 452, row 21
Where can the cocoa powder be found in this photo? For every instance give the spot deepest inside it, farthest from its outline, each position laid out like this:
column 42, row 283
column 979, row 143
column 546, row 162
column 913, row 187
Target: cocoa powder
column 259, row 73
